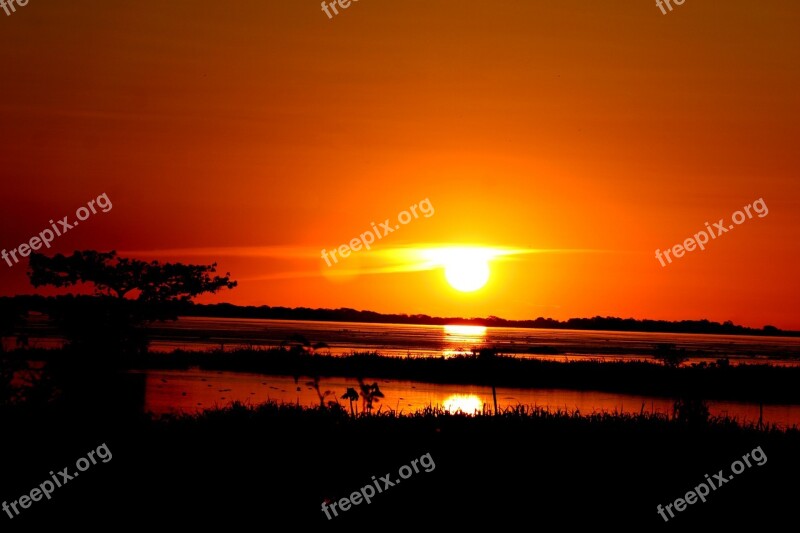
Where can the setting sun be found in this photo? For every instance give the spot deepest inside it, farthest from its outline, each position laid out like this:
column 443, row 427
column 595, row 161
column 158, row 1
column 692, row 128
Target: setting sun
column 466, row 268
column 467, row 273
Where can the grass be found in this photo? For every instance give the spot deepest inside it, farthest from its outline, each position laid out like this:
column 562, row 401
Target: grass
column 520, row 414
column 715, row 381
column 275, row 463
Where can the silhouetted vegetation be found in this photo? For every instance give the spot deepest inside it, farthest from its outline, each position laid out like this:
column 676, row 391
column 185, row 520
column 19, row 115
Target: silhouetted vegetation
column 242, row 463
column 11, row 318
column 669, row 355
column 105, row 331
column 111, row 275
column 370, row 393
column 110, row 322
column 351, row 395
column 717, row 380
column 693, row 411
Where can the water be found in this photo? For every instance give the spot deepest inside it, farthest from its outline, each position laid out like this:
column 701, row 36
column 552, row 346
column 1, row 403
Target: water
column 192, row 391
column 198, row 333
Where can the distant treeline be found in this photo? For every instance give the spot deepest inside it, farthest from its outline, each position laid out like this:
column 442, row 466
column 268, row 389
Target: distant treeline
column 224, row 310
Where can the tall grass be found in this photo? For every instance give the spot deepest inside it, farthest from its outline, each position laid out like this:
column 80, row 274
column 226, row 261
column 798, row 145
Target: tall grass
column 238, row 412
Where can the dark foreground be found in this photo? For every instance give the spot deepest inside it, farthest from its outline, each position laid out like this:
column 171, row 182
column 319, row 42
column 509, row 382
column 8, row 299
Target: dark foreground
column 270, row 468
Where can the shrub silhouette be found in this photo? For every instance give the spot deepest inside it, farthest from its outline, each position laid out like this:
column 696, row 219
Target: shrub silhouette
column 369, row 394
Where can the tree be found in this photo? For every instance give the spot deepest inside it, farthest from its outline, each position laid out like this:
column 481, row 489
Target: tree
column 351, row 395
column 117, row 276
column 128, row 294
column 111, row 322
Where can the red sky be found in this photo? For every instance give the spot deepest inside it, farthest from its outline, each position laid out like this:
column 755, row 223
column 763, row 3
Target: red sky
column 257, row 133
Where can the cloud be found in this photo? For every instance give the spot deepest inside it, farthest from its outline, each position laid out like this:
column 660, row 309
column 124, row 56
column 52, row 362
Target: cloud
column 396, row 260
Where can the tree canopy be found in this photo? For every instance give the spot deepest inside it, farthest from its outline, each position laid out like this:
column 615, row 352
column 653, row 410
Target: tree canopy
column 117, row 276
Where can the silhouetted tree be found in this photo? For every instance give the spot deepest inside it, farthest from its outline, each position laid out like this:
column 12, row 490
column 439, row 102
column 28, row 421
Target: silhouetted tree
column 128, row 294
column 117, row 276
column 351, row 395
column 111, row 322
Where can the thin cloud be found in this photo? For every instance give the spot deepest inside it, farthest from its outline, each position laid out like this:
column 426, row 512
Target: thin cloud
column 416, row 258
column 397, row 260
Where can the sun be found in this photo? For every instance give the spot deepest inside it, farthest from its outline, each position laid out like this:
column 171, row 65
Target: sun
column 466, row 269
column 467, row 275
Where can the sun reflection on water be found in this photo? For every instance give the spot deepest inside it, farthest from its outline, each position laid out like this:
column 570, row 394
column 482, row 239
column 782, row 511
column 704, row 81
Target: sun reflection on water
column 465, row 403
column 464, row 333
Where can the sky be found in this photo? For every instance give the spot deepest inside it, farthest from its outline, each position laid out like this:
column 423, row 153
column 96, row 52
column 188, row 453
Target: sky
column 565, row 141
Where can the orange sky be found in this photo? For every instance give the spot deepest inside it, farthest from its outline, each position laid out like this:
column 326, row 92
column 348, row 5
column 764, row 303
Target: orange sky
column 256, row 133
